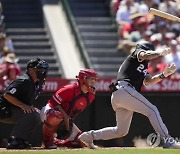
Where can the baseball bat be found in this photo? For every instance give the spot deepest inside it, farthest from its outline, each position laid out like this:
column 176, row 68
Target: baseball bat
column 164, row 15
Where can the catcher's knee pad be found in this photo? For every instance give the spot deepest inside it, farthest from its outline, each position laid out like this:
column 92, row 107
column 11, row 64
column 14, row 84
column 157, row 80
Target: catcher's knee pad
column 53, row 118
column 51, row 123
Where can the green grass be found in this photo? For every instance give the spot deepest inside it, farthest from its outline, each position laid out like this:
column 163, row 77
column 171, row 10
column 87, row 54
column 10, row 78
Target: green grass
column 98, row 151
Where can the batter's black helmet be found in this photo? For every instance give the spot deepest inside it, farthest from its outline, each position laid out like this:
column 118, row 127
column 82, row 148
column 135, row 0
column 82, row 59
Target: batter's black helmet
column 146, row 45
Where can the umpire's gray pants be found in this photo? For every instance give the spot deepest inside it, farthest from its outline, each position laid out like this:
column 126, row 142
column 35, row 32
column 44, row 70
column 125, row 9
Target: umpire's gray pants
column 25, row 123
column 125, row 101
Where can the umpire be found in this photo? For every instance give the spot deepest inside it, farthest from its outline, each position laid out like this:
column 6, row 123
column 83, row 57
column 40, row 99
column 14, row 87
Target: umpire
column 16, row 104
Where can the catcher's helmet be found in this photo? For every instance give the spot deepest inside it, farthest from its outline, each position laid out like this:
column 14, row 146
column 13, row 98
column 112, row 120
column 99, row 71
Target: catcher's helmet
column 84, row 74
column 146, row 45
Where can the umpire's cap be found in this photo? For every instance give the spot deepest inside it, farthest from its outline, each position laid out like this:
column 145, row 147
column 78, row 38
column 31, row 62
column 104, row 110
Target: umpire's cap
column 146, row 45
column 38, row 63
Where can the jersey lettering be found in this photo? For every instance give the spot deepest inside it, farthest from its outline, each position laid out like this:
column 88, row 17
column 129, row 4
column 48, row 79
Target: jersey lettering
column 141, row 69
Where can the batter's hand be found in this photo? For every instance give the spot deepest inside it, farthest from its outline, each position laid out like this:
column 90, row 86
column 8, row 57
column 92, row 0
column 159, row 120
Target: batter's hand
column 165, row 51
column 170, row 69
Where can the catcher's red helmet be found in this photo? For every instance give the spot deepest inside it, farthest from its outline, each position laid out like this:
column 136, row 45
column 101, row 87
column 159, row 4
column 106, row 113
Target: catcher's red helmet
column 84, row 74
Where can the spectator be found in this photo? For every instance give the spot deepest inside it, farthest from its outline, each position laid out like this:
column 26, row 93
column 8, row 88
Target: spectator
column 147, row 35
column 2, row 42
column 156, row 40
column 156, row 65
column 130, row 34
column 163, row 29
column 5, row 41
column 130, row 27
column 114, row 5
column 140, row 28
column 13, row 71
column 174, row 57
column 6, row 51
column 142, row 7
column 168, row 6
column 125, row 10
column 9, row 59
column 152, row 3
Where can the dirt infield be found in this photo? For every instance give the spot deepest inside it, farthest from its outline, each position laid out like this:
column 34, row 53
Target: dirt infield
column 68, row 149
column 114, row 150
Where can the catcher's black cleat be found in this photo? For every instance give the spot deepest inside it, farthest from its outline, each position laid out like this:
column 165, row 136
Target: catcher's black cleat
column 17, row 143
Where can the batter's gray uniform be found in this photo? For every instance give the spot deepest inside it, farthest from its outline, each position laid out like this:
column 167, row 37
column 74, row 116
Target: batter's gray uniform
column 126, row 100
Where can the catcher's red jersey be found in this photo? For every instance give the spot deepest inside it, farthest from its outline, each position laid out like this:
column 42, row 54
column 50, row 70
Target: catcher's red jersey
column 71, row 99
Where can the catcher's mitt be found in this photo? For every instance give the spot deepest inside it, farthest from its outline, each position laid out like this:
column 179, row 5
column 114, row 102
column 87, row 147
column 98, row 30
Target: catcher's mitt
column 62, row 132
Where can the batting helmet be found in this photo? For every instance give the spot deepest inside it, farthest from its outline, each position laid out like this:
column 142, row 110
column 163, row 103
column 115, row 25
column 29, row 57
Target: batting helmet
column 84, row 74
column 146, row 45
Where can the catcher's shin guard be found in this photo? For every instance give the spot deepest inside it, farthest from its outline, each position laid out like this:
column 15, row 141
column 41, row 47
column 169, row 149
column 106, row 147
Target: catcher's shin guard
column 50, row 126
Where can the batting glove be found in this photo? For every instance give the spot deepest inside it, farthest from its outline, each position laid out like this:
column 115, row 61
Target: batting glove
column 170, row 69
column 165, row 51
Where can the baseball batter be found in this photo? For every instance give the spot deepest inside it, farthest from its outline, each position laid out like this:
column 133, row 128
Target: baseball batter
column 126, row 98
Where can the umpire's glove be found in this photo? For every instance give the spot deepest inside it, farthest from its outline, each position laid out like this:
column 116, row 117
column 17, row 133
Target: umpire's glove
column 170, row 69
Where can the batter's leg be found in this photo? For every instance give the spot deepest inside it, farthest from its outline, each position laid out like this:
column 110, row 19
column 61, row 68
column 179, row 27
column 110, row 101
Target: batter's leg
column 123, row 119
column 134, row 101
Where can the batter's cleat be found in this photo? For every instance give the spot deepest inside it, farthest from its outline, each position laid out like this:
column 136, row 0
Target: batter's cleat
column 173, row 145
column 87, row 139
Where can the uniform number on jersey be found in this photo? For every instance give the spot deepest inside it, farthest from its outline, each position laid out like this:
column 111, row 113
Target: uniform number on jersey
column 141, row 69
column 13, row 90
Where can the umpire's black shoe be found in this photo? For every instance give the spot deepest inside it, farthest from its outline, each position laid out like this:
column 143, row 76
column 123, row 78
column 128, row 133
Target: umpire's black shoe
column 17, row 143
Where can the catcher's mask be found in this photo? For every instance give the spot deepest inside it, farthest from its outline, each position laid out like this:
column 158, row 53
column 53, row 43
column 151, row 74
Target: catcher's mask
column 41, row 67
column 83, row 75
column 146, row 45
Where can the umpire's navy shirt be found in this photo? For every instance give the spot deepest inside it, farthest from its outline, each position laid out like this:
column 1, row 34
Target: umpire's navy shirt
column 24, row 89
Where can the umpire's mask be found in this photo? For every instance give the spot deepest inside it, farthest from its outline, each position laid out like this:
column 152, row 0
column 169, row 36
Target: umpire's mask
column 41, row 67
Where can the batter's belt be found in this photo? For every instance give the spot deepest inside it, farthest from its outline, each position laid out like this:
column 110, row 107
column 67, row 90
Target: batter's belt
column 115, row 86
column 124, row 83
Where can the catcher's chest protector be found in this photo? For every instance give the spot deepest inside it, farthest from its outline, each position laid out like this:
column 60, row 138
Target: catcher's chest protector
column 78, row 104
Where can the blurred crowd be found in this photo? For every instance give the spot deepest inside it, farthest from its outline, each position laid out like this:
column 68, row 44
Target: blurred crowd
column 134, row 23
column 9, row 68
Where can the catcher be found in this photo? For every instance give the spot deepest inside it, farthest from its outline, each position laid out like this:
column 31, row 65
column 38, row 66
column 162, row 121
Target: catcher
column 58, row 115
